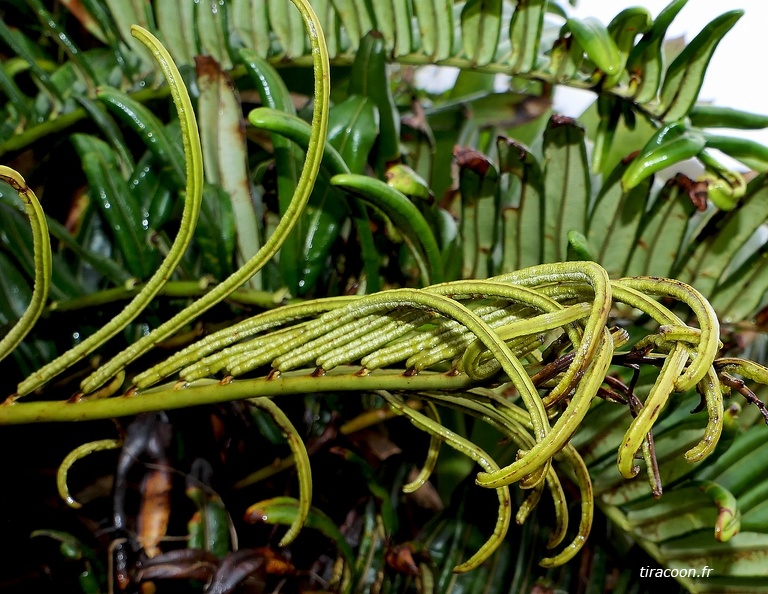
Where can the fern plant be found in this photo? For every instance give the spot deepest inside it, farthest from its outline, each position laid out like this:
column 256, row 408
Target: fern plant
column 366, row 186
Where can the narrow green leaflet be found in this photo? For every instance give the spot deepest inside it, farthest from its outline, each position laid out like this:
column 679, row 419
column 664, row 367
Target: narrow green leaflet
column 355, row 19
column 211, row 30
column 15, row 292
column 329, row 20
column 714, row 116
column 369, row 79
column 152, row 191
column 82, row 12
column 403, row 36
column 42, row 248
column 224, row 153
column 646, row 61
column 147, row 125
column 66, row 44
column 105, row 266
column 215, row 231
column 435, row 22
column 249, row 20
column 743, row 292
column 599, row 46
column 126, row 13
column 209, row 527
column 17, row 100
column 615, row 219
column 478, row 186
column 522, row 205
column 609, row 111
column 626, row 26
column 566, row 185
column 525, row 30
column 384, row 15
column 480, row 30
column 672, row 144
column 753, row 154
column 684, row 77
column 723, row 238
column 286, row 25
column 176, row 24
column 283, row 511
column 22, row 47
column 450, row 244
column 18, row 240
column 662, row 231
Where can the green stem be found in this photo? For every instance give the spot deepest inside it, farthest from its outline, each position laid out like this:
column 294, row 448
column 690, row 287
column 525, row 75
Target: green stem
column 173, row 290
column 170, row 397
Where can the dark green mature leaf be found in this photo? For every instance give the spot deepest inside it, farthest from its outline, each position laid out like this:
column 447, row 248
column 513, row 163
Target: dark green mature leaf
column 353, row 128
column 626, row 26
column 369, row 79
column 355, row 19
column 609, row 111
column 672, row 144
column 110, row 131
column 22, row 47
column 403, row 214
column 404, row 42
column 16, row 240
column 215, row 232
column 150, row 129
column 18, row 102
column 274, row 94
column 386, row 25
column 751, row 153
column 15, row 292
column 715, row 116
column 152, row 191
column 66, row 44
column 106, row 267
column 118, row 206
